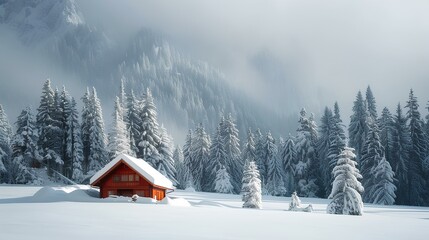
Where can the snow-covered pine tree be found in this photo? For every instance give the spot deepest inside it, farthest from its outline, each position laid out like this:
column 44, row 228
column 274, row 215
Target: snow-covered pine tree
column 87, row 112
column 49, row 131
column 187, row 157
column 346, row 188
column 5, row 151
column 337, row 141
column 123, row 97
column 182, row 171
column 118, row 140
column 357, row 126
column 98, row 156
column 199, row 156
column 66, row 108
column 232, row 149
column 74, row 148
column 166, row 164
column 24, row 146
column 249, row 151
column 400, row 156
column 385, row 122
column 372, row 153
column 384, row 188
column 307, row 168
column 251, row 187
column 223, row 182
column 371, row 104
column 133, row 122
column 417, row 184
column 324, row 143
column 275, row 182
column 149, row 138
column 260, row 156
column 217, row 159
column 288, row 159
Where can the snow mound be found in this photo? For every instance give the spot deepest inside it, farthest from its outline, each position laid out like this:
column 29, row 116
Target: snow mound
column 73, row 193
column 176, row 201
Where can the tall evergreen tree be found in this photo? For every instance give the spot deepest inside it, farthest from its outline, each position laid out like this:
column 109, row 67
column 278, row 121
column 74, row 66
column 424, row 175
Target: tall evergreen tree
column 249, row 151
column 187, row 159
column 346, row 188
column 166, row 164
column 275, row 183
column 307, row 168
column 260, row 156
column 385, row 122
column 182, row 171
column 87, row 114
column 98, row 156
column 400, row 156
column 384, row 188
column 372, row 153
column 232, row 150
column 324, row 143
column 417, row 184
column 288, row 159
column 133, row 122
column 337, row 143
column 118, row 140
column 74, row 148
column 200, row 155
column 251, row 187
column 357, row 126
column 370, row 100
column 5, row 138
column 150, row 137
column 217, row 160
column 49, row 129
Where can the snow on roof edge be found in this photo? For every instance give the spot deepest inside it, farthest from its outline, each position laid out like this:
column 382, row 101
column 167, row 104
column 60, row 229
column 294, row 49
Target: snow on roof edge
column 139, row 165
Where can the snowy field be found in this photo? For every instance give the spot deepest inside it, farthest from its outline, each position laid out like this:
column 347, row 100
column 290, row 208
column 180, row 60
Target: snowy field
column 70, row 213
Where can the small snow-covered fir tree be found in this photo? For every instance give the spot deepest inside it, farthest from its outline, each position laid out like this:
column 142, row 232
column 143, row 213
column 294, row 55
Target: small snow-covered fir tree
column 74, row 148
column 118, row 139
column 251, row 187
column 223, row 181
column 384, row 188
column 295, row 202
column 346, row 188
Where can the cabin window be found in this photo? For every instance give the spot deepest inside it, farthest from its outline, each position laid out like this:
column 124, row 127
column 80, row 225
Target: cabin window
column 111, row 192
column 116, row 178
column 137, row 178
column 124, row 178
column 131, row 178
column 140, row 193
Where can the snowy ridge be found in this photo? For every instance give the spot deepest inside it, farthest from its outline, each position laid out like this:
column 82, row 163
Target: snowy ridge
column 139, row 165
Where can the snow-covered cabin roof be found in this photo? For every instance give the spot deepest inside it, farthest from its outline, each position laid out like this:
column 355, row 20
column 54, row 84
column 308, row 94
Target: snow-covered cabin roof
column 140, row 166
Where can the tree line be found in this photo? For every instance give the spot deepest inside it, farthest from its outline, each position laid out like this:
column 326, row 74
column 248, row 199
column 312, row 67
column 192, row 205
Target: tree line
column 391, row 150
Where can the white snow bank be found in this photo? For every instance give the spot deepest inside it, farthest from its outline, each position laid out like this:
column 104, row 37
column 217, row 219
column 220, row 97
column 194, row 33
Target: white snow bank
column 175, row 201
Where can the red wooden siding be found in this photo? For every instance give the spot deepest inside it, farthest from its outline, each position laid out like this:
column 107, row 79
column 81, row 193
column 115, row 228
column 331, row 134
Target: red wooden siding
column 124, row 181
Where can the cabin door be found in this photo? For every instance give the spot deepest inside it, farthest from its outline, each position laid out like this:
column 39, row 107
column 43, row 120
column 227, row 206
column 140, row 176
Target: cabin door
column 125, row 192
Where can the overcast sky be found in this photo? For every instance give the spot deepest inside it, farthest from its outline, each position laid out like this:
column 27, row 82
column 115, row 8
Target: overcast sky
column 321, row 51
column 286, row 53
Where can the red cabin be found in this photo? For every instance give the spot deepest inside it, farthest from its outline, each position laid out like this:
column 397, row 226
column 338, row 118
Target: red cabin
column 126, row 176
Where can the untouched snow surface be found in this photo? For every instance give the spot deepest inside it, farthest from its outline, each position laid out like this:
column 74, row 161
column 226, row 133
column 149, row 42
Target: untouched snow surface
column 71, row 212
